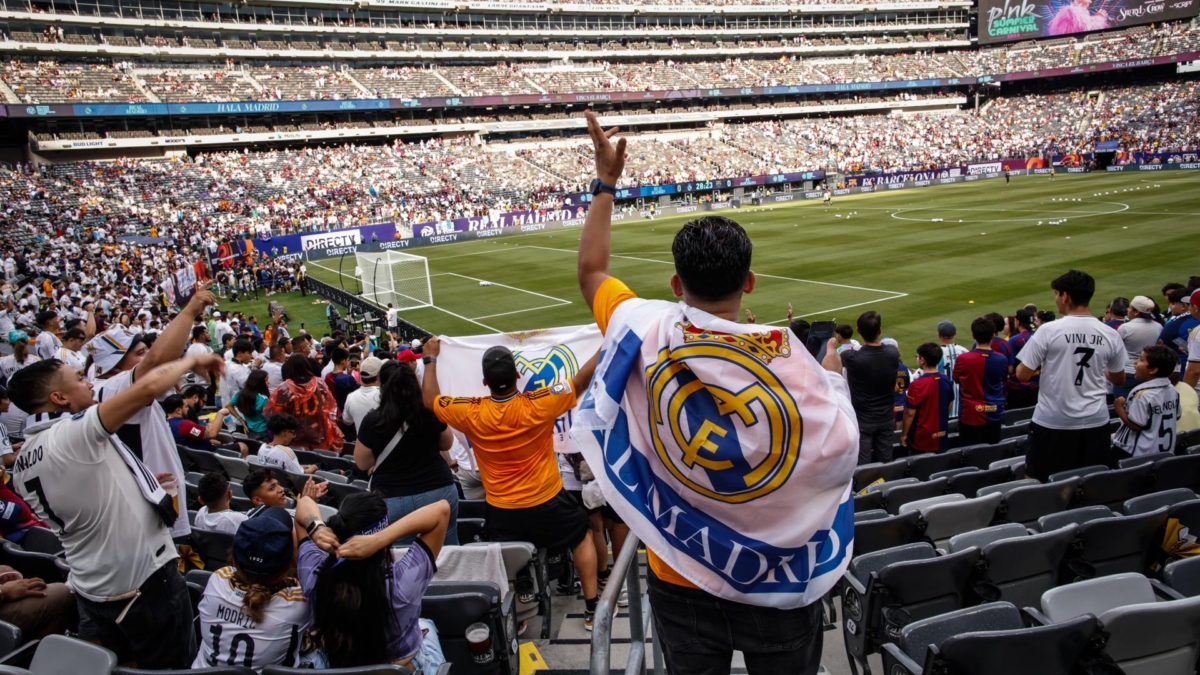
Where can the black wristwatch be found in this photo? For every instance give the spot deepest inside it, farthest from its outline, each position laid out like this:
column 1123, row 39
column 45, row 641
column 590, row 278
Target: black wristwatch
column 599, row 186
column 428, row 360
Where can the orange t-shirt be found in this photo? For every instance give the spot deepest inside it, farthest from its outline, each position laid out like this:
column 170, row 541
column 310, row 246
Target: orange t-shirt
column 609, row 296
column 513, row 442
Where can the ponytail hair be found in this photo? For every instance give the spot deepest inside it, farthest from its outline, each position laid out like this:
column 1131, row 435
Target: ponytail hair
column 352, row 603
column 261, row 589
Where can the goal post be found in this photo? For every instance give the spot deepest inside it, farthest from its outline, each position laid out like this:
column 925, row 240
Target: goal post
column 401, row 279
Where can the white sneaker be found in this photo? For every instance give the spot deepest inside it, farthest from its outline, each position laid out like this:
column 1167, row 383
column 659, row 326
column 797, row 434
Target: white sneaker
column 623, row 598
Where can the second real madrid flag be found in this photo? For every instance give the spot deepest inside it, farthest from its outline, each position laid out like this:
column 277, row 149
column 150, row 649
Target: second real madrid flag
column 727, row 449
column 544, row 358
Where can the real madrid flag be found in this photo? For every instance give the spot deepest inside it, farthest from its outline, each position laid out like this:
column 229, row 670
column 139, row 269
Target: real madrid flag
column 727, row 449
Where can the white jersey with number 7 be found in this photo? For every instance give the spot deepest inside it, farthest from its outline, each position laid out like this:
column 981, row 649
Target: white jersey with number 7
column 1073, row 353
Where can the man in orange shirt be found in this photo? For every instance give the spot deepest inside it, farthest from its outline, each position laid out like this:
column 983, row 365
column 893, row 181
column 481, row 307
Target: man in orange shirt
column 700, row 629
column 512, row 434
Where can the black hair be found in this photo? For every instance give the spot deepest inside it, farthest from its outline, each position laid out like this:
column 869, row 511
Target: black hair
column 1024, row 317
column 172, row 403
column 931, row 352
column 195, row 390
column 29, row 388
column 226, row 338
column 1162, row 359
column 844, row 331
column 800, row 328
column 338, row 354
column 213, row 488
column 278, row 424
column 983, row 330
column 352, row 608
column 3, row 394
column 870, row 324
column 74, row 334
column 197, row 331
column 1173, row 286
column 712, row 257
column 44, row 317
column 399, row 402
column 1193, row 282
column 1076, row 285
column 242, row 346
column 997, row 321
column 1046, row 316
column 1119, row 307
column 297, row 369
column 299, row 340
column 254, row 480
column 1177, row 295
column 256, row 385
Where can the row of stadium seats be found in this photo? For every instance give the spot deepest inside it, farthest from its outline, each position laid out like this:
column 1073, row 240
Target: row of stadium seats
column 51, row 82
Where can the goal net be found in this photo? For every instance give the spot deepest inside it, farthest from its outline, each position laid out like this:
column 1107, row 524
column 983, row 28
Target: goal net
column 401, row 279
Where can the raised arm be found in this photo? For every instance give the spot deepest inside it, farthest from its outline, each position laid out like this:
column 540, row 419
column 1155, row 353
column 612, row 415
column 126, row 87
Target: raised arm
column 430, row 389
column 89, row 326
column 583, row 378
column 173, row 340
column 428, row 523
column 115, row 412
column 594, row 243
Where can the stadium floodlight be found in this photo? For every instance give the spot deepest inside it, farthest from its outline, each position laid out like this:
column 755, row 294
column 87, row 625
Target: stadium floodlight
column 394, row 277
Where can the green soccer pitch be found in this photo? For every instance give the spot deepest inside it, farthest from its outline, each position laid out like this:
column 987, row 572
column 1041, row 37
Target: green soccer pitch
column 916, row 256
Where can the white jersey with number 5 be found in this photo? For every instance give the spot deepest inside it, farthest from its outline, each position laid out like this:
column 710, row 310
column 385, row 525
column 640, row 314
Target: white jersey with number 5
column 1073, row 353
column 1153, row 406
column 229, row 637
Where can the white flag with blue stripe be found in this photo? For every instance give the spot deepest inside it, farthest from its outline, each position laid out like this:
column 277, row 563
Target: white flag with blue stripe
column 727, row 449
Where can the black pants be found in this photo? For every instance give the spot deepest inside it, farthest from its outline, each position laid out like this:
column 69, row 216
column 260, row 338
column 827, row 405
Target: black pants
column 875, row 442
column 973, row 435
column 700, row 632
column 156, row 631
column 1022, row 398
column 1054, row 450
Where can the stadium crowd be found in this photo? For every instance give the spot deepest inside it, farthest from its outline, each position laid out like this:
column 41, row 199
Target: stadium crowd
column 49, row 81
column 115, row 377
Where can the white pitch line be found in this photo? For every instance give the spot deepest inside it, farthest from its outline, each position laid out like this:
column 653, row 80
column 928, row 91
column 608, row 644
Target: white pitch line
column 838, row 309
column 497, row 283
column 459, row 316
column 521, row 311
column 757, row 274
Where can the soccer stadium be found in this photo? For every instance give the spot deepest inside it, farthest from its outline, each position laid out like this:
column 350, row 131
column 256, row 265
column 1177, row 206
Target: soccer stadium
column 490, row 337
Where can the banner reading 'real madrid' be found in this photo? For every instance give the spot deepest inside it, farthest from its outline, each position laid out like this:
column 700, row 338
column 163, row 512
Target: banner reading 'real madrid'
column 1006, row 20
column 544, row 358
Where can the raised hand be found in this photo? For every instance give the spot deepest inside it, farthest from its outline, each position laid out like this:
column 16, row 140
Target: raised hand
column 610, row 159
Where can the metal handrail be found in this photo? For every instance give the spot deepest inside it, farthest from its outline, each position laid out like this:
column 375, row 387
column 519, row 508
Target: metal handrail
column 639, row 606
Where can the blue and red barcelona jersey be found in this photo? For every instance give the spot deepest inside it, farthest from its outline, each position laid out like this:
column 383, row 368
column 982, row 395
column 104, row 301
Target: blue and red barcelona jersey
column 1015, row 345
column 902, row 380
column 932, row 395
column 981, row 375
column 1000, row 346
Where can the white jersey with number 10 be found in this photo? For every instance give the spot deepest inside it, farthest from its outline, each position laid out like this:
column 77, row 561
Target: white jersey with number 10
column 229, row 637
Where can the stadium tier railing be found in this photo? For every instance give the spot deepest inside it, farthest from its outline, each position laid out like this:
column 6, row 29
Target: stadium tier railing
column 626, row 571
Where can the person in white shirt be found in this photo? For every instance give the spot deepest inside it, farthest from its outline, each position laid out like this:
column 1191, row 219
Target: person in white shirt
column 6, row 320
column 1078, row 355
column 947, row 333
column 1138, row 332
column 274, row 365
column 47, row 344
column 277, row 453
column 20, row 356
column 215, row 515
column 222, row 329
column 366, row 398
column 393, row 321
column 1150, row 413
column 121, row 358
column 112, row 514
column 1191, row 376
column 71, row 352
column 237, row 369
column 254, row 613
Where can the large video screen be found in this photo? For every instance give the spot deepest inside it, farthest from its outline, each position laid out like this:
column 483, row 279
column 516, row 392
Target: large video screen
column 1008, row 20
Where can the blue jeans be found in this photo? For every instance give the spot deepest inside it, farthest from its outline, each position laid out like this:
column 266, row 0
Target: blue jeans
column 398, row 507
column 426, row 661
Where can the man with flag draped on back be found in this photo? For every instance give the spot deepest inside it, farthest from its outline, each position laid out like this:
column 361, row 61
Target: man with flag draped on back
column 726, row 447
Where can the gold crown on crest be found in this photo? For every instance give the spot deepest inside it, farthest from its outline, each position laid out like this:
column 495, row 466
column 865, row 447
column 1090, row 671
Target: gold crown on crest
column 764, row 346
